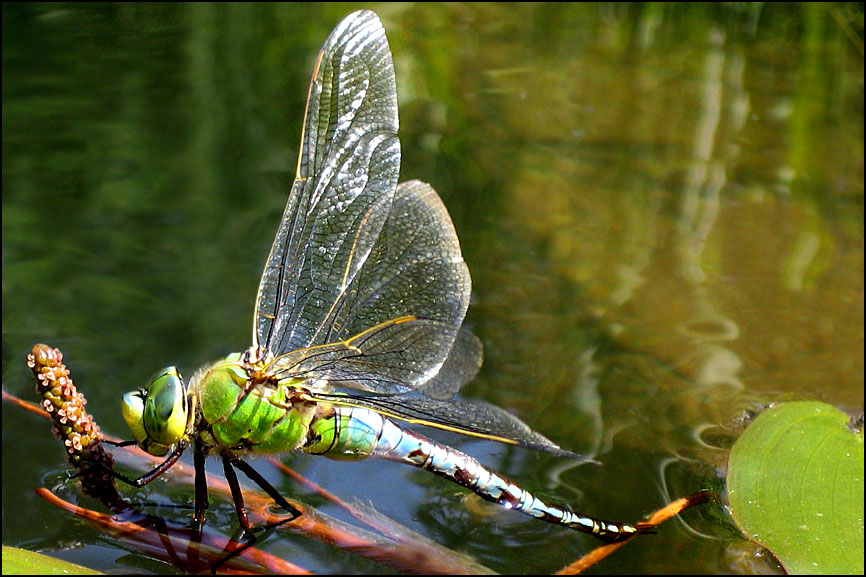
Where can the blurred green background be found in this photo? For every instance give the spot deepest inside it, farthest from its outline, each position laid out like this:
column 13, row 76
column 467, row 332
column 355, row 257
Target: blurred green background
column 661, row 206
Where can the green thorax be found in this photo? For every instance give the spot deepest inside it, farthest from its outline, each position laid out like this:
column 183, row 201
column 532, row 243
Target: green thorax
column 246, row 411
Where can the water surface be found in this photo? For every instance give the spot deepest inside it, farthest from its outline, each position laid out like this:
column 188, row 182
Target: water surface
column 661, row 207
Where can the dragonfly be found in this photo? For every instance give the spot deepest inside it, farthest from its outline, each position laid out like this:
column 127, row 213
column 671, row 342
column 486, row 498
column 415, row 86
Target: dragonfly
column 358, row 324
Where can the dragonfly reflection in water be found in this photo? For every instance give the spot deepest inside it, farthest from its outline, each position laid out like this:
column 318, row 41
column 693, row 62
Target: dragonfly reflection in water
column 358, row 317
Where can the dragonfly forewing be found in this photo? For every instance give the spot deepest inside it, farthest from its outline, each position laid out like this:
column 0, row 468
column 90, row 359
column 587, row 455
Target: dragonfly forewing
column 341, row 197
column 415, row 269
column 392, row 357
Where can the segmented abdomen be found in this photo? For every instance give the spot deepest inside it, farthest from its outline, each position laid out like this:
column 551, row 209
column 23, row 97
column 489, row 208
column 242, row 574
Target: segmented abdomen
column 355, row 433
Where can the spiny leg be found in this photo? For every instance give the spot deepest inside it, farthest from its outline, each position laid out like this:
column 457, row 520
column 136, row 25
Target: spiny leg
column 201, row 504
column 143, row 480
column 201, row 500
column 240, row 509
column 237, row 495
column 268, row 488
column 157, row 471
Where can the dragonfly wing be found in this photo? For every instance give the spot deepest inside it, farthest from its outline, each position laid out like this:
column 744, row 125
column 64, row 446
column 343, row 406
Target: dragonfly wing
column 413, row 291
column 469, row 417
column 342, row 193
column 415, row 269
column 355, row 255
column 386, row 359
column 460, row 367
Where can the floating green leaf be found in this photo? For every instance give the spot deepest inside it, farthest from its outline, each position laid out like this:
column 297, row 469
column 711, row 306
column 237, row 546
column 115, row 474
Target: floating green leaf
column 795, row 485
column 23, row 562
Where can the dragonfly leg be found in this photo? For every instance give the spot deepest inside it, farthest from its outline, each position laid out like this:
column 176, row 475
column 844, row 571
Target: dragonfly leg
column 201, row 501
column 267, row 487
column 119, row 443
column 237, row 496
column 240, row 509
column 229, row 464
column 157, row 471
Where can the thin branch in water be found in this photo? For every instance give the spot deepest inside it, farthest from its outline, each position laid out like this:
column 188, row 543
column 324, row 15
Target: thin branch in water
column 656, row 519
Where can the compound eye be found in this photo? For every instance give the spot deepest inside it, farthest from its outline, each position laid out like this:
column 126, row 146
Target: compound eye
column 133, row 413
column 157, row 416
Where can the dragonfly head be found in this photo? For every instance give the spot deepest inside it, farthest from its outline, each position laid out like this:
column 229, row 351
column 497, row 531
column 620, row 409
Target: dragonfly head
column 157, row 414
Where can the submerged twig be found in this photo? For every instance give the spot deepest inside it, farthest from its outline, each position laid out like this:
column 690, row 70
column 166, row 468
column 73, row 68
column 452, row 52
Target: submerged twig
column 655, row 520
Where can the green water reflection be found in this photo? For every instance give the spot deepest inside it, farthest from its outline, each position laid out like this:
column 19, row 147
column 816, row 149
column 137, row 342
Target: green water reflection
column 661, row 207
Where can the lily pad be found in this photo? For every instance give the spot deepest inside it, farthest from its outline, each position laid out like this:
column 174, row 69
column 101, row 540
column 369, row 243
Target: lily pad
column 795, row 485
column 23, row 562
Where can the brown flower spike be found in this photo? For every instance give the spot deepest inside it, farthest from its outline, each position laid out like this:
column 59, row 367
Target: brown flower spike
column 72, row 424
